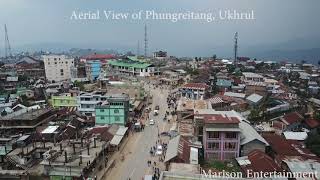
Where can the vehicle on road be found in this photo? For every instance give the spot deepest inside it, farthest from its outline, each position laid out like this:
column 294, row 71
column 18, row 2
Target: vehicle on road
column 155, row 112
column 157, row 107
column 159, row 150
column 151, row 122
column 165, row 134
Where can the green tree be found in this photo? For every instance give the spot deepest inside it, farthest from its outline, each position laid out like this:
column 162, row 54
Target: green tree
column 79, row 84
column 313, row 143
column 24, row 100
column 214, row 57
column 254, row 114
column 231, row 68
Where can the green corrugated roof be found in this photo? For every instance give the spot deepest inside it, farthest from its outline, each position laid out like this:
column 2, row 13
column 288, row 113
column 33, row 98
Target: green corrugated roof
column 129, row 63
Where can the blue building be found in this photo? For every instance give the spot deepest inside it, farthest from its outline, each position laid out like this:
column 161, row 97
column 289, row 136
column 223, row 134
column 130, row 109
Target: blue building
column 93, row 69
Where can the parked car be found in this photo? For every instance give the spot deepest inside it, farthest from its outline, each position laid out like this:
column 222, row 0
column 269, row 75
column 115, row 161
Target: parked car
column 159, row 150
column 155, row 112
column 151, row 122
column 157, row 107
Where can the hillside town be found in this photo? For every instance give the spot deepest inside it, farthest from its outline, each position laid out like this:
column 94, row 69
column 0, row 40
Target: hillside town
column 123, row 116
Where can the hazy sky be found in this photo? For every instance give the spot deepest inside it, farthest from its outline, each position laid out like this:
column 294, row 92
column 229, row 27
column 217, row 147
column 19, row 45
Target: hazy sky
column 48, row 21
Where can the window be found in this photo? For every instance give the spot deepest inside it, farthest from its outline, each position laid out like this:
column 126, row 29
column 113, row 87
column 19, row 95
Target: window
column 116, row 111
column 101, row 110
column 213, row 135
column 117, row 118
column 231, row 135
column 213, row 145
column 230, row 146
column 55, row 62
column 61, row 70
column 101, row 117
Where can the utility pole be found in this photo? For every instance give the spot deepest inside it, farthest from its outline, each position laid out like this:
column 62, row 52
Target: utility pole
column 145, row 41
column 7, row 47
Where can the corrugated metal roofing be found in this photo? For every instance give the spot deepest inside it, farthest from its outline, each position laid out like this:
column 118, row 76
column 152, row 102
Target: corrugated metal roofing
column 254, row 98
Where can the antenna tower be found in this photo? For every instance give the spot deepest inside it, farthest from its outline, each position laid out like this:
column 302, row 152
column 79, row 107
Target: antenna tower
column 235, row 48
column 7, row 47
column 145, row 41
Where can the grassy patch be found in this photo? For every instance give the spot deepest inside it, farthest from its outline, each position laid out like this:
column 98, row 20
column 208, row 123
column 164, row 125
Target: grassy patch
column 229, row 166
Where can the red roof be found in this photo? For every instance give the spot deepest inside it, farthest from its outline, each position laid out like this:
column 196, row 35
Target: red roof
column 196, row 86
column 280, row 145
column 312, row 123
column 99, row 130
column 283, row 147
column 184, row 150
column 99, row 56
column 220, row 119
column 260, row 161
column 292, row 117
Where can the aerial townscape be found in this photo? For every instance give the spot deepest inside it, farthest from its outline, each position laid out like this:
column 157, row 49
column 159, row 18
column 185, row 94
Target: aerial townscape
column 148, row 114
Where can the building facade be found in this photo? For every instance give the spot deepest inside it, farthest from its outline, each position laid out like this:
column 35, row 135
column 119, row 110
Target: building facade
column 113, row 111
column 65, row 100
column 133, row 68
column 30, row 67
column 220, row 136
column 93, row 69
column 57, row 67
column 195, row 91
column 160, row 55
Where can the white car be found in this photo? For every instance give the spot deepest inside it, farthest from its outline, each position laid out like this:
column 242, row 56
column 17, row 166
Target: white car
column 155, row 112
column 159, row 150
column 151, row 122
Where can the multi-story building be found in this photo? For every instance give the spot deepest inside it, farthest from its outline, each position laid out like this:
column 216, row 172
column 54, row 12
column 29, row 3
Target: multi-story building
column 160, row 55
column 220, row 135
column 87, row 102
column 30, row 67
column 93, row 69
column 64, row 100
column 25, row 120
column 57, row 67
column 113, row 111
column 195, row 91
column 226, row 135
column 249, row 76
column 135, row 68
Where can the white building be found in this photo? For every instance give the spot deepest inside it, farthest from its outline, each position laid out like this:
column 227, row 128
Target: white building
column 57, row 67
column 160, row 55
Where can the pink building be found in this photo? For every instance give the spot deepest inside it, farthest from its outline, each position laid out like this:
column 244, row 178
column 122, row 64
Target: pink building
column 221, row 136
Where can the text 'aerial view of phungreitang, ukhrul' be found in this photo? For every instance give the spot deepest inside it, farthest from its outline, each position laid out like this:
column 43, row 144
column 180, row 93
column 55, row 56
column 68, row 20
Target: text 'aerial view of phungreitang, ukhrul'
column 159, row 90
